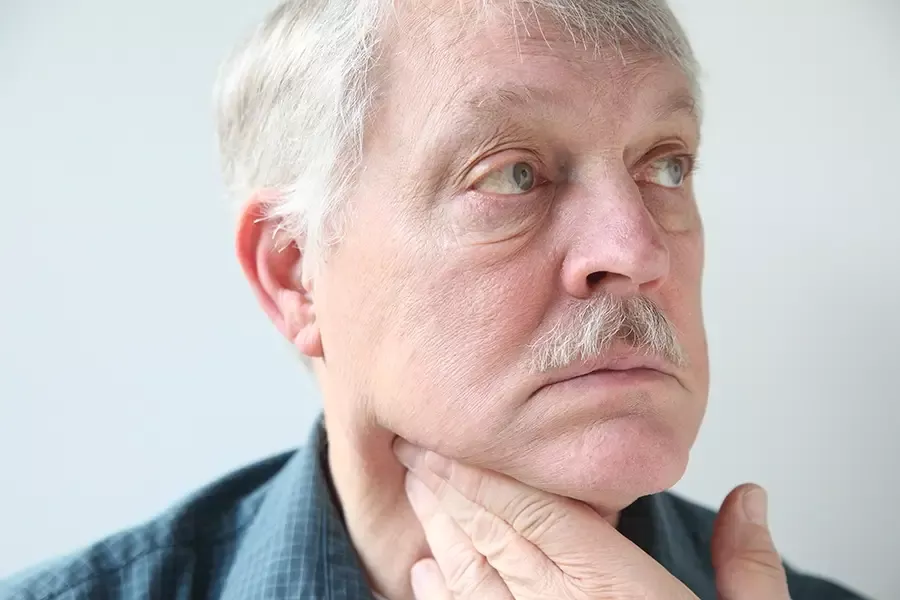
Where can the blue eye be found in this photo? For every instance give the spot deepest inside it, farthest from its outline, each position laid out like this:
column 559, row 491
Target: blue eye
column 517, row 178
column 670, row 172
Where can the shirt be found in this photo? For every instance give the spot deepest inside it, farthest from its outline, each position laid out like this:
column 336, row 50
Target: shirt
column 273, row 531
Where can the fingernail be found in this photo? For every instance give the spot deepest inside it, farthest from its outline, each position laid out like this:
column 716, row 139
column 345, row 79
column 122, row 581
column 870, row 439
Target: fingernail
column 426, row 579
column 406, row 453
column 756, row 507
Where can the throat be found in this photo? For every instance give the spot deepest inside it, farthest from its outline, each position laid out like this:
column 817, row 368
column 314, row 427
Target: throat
column 368, row 485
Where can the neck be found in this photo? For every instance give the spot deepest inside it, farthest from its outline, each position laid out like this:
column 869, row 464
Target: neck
column 369, row 483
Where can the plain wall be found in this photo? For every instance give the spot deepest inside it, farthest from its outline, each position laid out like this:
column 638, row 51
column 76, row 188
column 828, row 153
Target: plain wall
column 135, row 365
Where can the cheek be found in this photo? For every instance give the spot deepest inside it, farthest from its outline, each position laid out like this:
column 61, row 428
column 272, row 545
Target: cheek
column 675, row 211
column 472, row 323
column 460, row 335
column 682, row 301
column 353, row 315
column 360, row 301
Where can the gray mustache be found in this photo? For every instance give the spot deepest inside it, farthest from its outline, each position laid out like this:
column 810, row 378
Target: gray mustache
column 596, row 326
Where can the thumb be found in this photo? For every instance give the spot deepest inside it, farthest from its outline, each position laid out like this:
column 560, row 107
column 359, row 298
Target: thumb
column 747, row 565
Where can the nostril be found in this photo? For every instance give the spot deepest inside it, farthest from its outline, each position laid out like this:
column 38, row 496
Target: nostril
column 596, row 277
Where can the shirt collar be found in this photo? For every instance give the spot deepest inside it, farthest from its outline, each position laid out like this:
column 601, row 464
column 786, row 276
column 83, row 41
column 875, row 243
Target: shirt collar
column 297, row 546
column 657, row 526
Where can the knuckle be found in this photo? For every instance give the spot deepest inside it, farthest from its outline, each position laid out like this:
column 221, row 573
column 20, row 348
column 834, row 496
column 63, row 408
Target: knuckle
column 467, row 571
column 758, row 562
column 477, row 486
column 492, row 535
column 536, row 515
column 539, row 577
column 486, row 527
column 440, row 488
column 471, row 483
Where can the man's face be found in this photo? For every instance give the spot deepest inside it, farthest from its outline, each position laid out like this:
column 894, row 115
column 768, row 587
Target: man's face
column 512, row 180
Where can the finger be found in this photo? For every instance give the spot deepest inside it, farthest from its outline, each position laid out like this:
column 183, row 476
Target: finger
column 744, row 556
column 428, row 581
column 519, row 528
column 466, row 573
column 498, row 517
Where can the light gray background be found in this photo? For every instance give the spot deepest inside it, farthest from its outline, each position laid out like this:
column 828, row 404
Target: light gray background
column 135, row 366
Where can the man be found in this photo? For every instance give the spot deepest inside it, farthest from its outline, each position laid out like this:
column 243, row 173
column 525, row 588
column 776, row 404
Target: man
column 476, row 221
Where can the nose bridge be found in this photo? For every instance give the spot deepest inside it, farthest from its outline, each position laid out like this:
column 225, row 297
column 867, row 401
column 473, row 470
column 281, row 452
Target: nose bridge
column 617, row 244
column 618, row 221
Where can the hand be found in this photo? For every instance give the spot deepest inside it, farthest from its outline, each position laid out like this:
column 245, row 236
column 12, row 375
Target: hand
column 494, row 538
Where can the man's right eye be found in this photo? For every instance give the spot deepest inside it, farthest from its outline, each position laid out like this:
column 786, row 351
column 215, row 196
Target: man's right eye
column 513, row 179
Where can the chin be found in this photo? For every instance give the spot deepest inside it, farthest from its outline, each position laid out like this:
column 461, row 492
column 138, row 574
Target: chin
column 609, row 465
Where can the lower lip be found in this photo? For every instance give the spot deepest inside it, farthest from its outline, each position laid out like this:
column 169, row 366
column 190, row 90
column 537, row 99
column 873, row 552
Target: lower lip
column 610, row 378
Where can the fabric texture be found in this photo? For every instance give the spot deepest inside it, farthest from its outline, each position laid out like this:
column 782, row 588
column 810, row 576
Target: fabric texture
column 273, row 531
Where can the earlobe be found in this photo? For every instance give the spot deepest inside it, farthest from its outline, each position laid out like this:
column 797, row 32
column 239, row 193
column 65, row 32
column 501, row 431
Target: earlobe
column 272, row 265
column 308, row 340
column 299, row 315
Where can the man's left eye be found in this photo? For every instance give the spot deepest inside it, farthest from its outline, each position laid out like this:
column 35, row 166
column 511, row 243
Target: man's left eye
column 670, row 172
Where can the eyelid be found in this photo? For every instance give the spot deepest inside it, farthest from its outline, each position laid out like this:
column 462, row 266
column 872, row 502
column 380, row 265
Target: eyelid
column 689, row 158
column 502, row 159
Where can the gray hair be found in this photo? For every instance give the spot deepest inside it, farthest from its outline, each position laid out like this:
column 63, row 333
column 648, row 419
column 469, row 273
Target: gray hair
column 293, row 99
column 593, row 328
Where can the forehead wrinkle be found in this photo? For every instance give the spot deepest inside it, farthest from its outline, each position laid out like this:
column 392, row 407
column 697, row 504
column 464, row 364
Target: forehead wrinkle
column 641, row 71
column 464, row 104
column 472, row 113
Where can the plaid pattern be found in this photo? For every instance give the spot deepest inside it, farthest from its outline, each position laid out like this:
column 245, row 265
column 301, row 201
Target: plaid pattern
column 271, row 531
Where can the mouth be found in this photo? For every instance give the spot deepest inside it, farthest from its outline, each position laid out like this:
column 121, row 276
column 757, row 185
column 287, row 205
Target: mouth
column 624, row 368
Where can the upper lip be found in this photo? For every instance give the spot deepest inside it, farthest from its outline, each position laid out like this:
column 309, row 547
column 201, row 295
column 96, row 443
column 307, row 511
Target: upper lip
column 615, row 361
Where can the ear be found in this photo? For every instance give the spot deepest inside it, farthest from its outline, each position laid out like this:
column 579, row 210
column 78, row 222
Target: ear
column 273, row 265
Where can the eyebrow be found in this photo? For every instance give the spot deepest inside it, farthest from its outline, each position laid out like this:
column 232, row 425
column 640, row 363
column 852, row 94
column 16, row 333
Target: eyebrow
column 514, row 97
column 681, row 101
column 488, row 114
column 500, row 108
column 500, row 103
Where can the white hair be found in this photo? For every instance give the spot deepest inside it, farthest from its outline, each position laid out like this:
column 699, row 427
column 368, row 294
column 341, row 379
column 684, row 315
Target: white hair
column 292, row 101
column 593, row 328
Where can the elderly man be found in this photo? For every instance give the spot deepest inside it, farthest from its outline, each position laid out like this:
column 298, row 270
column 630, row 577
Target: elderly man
column 476, row 222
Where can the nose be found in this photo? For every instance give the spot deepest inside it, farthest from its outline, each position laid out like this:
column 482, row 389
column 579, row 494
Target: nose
column 618, row 248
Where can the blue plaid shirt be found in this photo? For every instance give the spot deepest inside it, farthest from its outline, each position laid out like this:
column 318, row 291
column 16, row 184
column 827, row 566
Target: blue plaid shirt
column 272, row 531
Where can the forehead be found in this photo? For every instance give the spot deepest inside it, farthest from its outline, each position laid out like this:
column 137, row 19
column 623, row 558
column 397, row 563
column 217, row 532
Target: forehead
column 447, row 58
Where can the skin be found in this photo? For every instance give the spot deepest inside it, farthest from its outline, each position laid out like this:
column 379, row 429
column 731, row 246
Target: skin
column 421, row 322
column 494, row 538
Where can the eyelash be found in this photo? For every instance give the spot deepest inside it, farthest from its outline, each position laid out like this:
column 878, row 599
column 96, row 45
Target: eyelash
column 689, row 160
column 522, row 156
